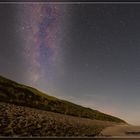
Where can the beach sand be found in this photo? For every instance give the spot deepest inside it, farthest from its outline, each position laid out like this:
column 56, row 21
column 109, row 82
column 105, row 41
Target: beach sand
column 124, row 130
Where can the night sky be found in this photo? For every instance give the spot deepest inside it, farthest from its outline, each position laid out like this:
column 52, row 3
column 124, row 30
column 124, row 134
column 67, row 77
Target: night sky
column 85, row 53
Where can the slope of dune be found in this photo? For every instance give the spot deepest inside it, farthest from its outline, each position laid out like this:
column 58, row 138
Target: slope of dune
column 25, row 111
column 19, row 94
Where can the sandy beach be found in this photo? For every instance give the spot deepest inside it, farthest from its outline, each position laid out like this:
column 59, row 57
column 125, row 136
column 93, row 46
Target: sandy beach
column 123, row 130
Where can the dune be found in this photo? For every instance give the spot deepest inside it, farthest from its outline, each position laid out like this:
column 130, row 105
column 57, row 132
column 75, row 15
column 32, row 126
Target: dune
column 26, row 111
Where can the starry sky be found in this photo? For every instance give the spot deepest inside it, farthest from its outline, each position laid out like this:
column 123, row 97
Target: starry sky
column 88, row 54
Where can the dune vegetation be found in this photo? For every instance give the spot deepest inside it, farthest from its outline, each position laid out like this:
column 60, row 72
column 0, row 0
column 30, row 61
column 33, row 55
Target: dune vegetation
column 18, row 94
column 25, row 111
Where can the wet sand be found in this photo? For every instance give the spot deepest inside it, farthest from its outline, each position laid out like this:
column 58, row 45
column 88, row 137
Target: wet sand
column 121, row 131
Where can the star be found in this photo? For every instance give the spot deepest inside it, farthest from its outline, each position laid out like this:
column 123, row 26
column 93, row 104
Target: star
column 86, row 64
column 122, row 23
column 23, row 28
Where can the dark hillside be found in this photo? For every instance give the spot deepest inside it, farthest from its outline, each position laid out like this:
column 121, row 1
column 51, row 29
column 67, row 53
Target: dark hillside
column 12, row 92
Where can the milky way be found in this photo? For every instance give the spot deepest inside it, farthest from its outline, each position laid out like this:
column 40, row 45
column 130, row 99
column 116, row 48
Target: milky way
column 41, row 29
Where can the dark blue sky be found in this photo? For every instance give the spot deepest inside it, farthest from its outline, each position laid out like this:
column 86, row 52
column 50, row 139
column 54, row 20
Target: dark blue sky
column 86, row 53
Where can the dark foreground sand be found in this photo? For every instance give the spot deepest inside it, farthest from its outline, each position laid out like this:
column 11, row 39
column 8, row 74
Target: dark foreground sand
column 121, row 131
